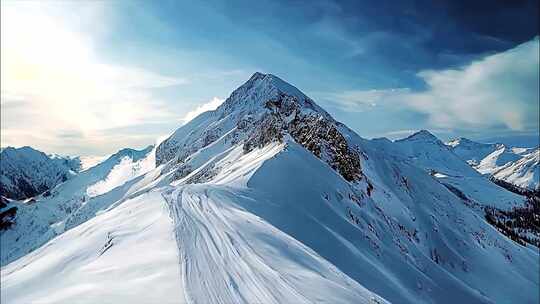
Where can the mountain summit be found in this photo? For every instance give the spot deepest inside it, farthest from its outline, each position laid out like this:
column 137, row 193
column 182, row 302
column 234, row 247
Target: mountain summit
column 265, row 109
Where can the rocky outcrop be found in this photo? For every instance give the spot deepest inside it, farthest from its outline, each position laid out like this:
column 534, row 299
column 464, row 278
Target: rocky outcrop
column 263, row 110
column 314, row 131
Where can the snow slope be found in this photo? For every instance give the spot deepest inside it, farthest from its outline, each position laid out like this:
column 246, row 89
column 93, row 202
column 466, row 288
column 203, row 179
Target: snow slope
column 211, row 247
column 271, row 200
column 229, row 255
column 471, row 151
column 106, row 259
column 496, row 160
column 128, row 168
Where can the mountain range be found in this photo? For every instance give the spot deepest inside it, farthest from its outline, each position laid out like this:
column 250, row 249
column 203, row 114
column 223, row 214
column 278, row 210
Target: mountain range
column 519, row 166
column 269, row 199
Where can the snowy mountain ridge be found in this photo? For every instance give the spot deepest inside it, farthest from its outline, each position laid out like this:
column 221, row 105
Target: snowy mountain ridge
column 262, row 110
column 515, row 165
column 269, row 199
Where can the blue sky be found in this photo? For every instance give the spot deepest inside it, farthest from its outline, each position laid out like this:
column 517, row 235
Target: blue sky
column 92, row 77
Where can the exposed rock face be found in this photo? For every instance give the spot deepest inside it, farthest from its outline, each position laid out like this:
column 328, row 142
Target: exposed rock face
column 7, row 218
column 313, row 131
column 263, row 110
column 26, row 172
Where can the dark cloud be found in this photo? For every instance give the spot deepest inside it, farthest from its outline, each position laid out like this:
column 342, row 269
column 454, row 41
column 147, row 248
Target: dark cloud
column 388, row 41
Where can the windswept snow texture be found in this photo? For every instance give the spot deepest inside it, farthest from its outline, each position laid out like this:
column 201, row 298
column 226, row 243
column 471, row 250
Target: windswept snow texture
column 230, row 255
column 270, row 200
column 25, row 172
column 127, row 255
column 519, row 166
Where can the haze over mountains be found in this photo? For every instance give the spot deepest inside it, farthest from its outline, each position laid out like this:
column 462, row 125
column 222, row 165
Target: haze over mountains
column 268, row 199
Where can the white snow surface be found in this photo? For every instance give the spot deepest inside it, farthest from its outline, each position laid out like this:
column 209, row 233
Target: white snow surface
column 88, row 162
column 210, row 250
column 524, row 172
column 515, row 165
column 127, row 169
column 105, row 260
column 230, row 255
column 214, row 223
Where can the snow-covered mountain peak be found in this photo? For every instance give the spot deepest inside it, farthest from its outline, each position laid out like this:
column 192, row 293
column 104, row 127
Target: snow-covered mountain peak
column 520, row 170
column 253, row 96
column 471, row 151
column 422, row 136
column 263, row 110
column 135, row 155
column 261, row 80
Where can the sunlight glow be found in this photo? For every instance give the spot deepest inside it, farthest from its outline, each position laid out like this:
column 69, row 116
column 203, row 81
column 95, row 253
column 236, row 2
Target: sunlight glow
column 54, row 70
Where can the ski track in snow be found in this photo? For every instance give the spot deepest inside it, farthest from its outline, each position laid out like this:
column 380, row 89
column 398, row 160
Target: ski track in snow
column 228, row 255
column 126, row 255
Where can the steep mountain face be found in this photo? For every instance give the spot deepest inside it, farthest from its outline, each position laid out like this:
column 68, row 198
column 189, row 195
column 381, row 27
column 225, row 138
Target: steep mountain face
column 523, row 172
column 268, row 199
column 263, row 110
column 517, row 166
column 25, row 172
column 497, row 159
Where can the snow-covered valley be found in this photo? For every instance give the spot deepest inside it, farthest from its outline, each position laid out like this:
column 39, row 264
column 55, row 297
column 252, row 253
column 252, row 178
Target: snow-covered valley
column 268, row 199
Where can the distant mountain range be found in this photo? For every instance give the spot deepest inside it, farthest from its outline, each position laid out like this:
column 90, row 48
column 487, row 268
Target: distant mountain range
column 519, row 166
column 269, row 199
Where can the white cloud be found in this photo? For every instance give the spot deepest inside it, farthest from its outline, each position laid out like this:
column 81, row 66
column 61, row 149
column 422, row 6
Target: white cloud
column 54, row 82
column 499, row 89
column 209, row 106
